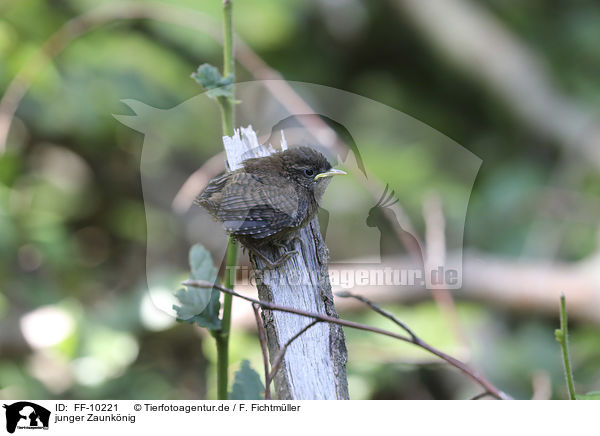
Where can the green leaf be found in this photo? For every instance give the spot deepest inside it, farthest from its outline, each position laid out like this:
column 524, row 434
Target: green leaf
column 216, row 85
column 193, row 301
column 198, row 305
column 589, row 396
column 208, row 317
column 201, row 264
column 247, row 384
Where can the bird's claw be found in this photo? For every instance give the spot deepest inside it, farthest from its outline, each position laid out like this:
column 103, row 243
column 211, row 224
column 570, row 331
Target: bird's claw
column 269, row 264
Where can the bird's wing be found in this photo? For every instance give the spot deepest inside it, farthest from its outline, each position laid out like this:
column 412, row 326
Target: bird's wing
column 217, row 184
column 211, row 195
column 258, row 207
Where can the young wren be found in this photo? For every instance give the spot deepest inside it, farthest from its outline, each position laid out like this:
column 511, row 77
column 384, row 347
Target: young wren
column 269, row 199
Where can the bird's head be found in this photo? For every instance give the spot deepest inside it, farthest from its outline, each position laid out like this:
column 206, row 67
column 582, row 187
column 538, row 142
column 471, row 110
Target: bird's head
column 301, row 165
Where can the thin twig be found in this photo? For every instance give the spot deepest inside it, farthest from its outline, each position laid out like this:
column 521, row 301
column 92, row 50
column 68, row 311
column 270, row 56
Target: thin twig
column 487, row 385
column 379, row 310
column 263, row 346
column 279, row 358
column 480, row 396
column 414, row 338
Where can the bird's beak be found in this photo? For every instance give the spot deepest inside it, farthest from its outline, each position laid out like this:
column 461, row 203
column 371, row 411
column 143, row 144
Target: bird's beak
column 331, row 172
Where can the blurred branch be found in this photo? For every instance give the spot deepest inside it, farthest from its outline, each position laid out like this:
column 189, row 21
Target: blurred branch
column 542, row 385
column 520, row 285
column 197, row 181
column 533, row 285
column 130, row 10
column 435, row 226
column 82, row 24
column 243, row 53
column 489, row 388
column 471, row 38
column 435, row 251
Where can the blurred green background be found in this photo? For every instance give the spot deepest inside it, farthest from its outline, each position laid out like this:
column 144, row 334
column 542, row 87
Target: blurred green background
column 72, row 220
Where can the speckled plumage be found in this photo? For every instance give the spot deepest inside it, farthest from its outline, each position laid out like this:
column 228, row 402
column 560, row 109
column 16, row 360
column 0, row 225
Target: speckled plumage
column 270, row 198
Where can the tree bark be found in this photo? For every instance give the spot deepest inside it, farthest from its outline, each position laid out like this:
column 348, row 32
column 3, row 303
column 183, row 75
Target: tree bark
column 314, row 365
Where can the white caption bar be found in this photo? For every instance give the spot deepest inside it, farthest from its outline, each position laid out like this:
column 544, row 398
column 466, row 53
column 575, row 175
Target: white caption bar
column 21, row 417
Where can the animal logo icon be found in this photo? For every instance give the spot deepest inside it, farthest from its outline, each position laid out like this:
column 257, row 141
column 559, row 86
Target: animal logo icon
column 26, row 415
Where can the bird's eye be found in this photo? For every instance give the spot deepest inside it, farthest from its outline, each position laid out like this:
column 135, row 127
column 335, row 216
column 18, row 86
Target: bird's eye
column 309, row 172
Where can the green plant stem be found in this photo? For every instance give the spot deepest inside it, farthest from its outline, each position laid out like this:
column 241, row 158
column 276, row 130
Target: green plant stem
column 222, row 337
column 227, row 118
column 228, row 60
column 222, row 341
column 227, row 114
column 562, row 337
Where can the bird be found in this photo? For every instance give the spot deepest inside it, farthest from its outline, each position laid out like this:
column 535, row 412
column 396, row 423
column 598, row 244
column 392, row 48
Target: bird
column 269, row 199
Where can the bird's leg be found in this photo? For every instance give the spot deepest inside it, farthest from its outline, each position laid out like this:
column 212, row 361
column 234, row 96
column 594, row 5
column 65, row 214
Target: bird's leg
column 290, row 243
column 299, row 239
column 280, row 245
column 277, row 263
column 287, row 253
column 254, row 253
